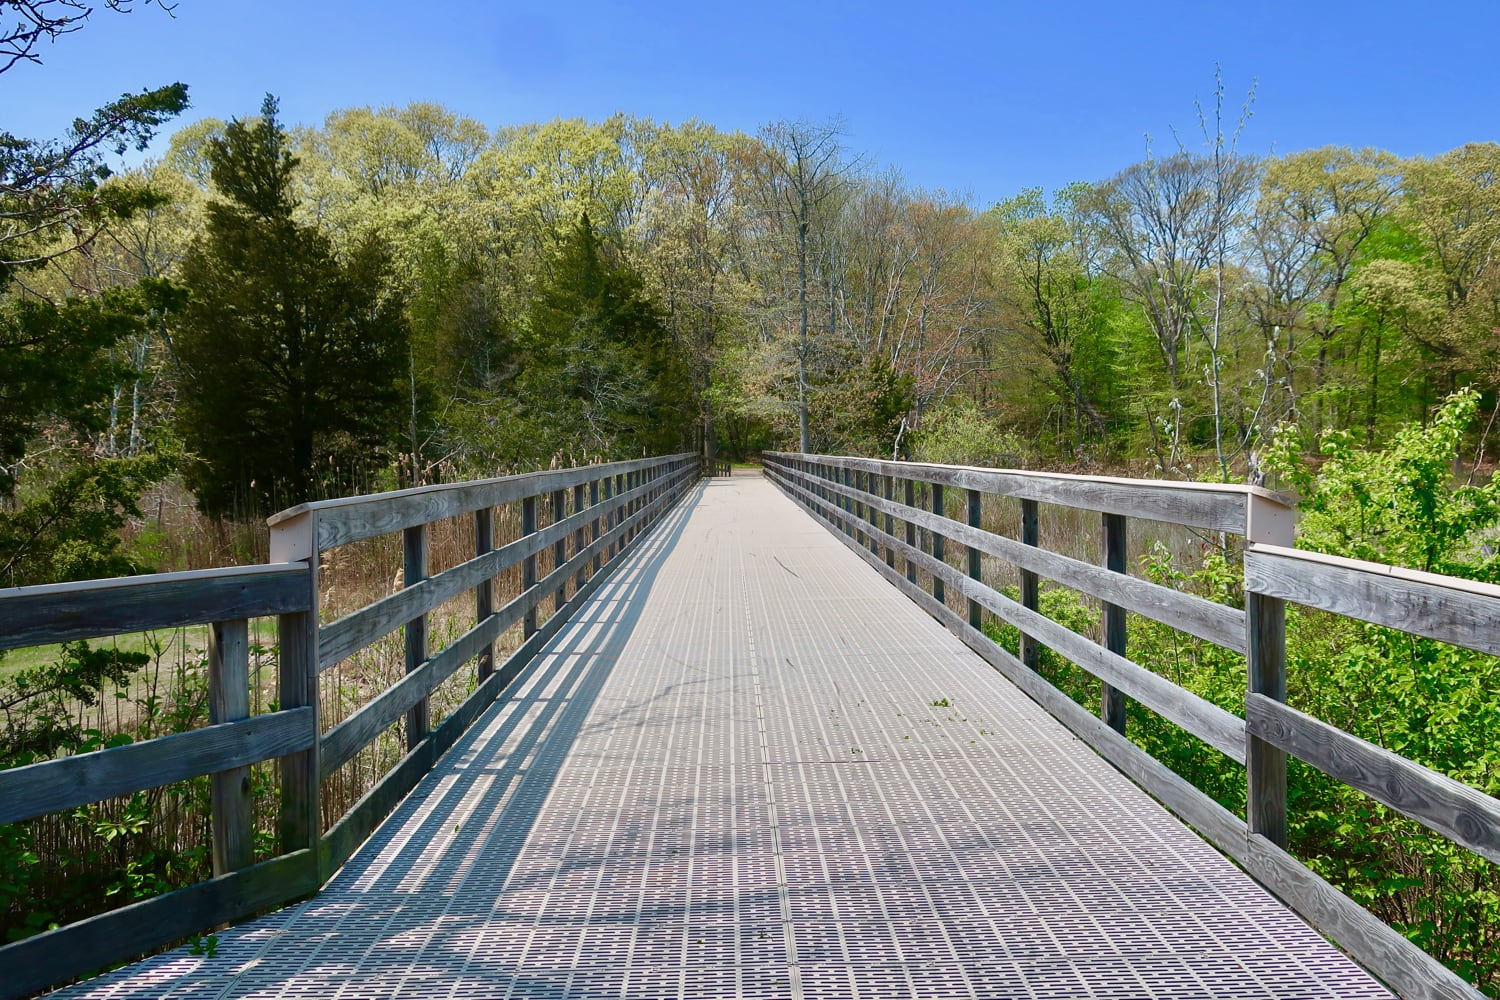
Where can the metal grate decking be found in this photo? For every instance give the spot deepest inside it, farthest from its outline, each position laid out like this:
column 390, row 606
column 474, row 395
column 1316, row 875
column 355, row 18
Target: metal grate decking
column 727, row 778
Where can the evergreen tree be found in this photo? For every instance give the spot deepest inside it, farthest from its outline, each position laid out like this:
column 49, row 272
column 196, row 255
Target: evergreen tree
column 601, row 371
column 291, row 355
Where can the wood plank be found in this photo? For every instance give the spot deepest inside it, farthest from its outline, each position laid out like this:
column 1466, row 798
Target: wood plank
column 299, row 811
column 1445, row 608
column 1370, row 942
column 350, row 519
column 230, row 808
column 62, row 612
column 57, row 956
column 1265, row 763
column 1220, row 729
column 1459, row 812
column 414, row 550
column 1112, row 700
column 67, row 782
column 1212, row 506
column 1216, row 623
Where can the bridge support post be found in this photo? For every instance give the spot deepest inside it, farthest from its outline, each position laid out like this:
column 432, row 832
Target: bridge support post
column 890, row 520
column 595, row 532
column 578, row 540
column 1112, row 701
column 938, row 547
column 414, row 542
column 229, row 701
column 976, row 511
column 909, row 497
column 559, row 550
column 1031, row 650
column 299, row 816
column 484, row 591
column 1265, row 635
column 528, row 567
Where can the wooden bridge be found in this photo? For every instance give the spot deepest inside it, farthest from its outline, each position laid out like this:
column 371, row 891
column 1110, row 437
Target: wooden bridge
column 752, row 750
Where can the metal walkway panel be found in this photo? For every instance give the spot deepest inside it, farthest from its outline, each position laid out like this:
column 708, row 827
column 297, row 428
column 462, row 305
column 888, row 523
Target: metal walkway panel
column 752, row 768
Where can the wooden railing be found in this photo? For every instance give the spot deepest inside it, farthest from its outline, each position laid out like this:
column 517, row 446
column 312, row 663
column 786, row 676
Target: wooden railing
column 895, row 515
column 596, row 514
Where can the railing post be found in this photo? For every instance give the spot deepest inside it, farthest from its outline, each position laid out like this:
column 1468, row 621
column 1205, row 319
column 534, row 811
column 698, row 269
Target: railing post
column 1031, row 650
column 299, row 818
column 890, row 520
column 528, row 565
column 595, row 532
column 1265, row 634
column 414, row 541
column 976, row 511
column 559, row 551
column 229, row 701
column 938, row 548
column 1112, row 701
column 847, row 503
column 910, row 498
column 484, row 591
column 578, row 542
column 872, row 516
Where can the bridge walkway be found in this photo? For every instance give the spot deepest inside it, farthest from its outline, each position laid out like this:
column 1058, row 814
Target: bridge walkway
column 750, row 767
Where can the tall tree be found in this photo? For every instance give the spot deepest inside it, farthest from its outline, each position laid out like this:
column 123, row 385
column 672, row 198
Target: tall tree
column 801, row 170
column 291, row 354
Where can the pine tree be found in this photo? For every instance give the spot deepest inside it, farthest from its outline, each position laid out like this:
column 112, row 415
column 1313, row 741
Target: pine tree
column 291, row 355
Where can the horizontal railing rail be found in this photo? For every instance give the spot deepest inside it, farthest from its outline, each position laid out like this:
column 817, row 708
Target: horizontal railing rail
column 613, row 505
column 895, row 515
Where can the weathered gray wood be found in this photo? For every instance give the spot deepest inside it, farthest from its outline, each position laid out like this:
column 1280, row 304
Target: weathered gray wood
column 1112, row 700
column 229, row 701
column 1265, row 762
column 350, row 519
column 976, row 515
column 528, row 567
column 67, row 782
column 1217, row 623
column 578, row 535
column 356, row 825
column 346, row 636
column 299, row 817
column 1220, row 729
column 414, row 547
column 1031, row 652
column 1369, row 941
column 910, row 495
column 1215, row 507
column 341, row 743
column 1452, row 808
column 937, row 541
column 1462, row 612
column 484, row 590
column 595, row 524
column 560, row 547
column 56, row 956
column 62, row 612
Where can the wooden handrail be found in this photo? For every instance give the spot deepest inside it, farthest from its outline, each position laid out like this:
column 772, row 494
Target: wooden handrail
column 843, row 493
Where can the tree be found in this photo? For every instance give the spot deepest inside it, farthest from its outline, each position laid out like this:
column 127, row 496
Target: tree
column 800, row 172
column 291, row 354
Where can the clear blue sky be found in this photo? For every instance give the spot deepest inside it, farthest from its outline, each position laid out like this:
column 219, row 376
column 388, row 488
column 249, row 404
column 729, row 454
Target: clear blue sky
column 978, row 99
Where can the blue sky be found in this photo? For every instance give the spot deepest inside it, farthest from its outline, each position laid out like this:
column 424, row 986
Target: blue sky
column 978, row 99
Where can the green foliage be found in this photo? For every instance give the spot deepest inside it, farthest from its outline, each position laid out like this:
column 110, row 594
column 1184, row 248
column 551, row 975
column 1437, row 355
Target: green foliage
column 1398, row 505
column 600, row 374
column 69, row 531
column 962, row 434
column 291, row 355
